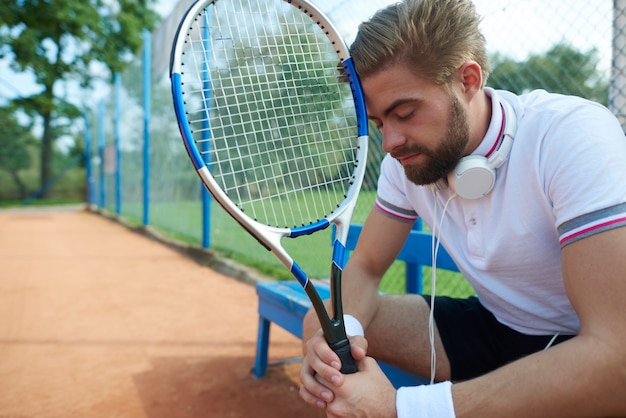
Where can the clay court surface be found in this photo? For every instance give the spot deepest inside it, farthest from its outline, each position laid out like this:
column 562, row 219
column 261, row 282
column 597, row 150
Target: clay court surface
column 97, row 320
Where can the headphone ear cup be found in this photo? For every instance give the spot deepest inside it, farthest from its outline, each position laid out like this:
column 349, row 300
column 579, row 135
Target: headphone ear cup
column 473, row 177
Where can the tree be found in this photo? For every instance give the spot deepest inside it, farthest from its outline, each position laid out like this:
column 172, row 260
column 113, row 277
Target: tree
column 562, row 69
column 60, row 40
column 14, row 154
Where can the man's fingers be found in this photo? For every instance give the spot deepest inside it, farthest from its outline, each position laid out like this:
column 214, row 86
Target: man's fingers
column 313, row 390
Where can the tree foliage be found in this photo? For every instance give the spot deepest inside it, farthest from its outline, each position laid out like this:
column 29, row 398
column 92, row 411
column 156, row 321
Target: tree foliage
column 14, row 152
column 61, row 40
column 562, row 69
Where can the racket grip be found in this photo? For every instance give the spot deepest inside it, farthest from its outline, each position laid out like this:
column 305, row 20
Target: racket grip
column 342, row 348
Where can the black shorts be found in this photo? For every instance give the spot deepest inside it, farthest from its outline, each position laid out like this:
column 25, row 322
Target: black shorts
column 474, row 340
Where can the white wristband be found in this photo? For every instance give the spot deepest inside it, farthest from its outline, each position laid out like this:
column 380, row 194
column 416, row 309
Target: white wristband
column 353, row 326
column 428, row 401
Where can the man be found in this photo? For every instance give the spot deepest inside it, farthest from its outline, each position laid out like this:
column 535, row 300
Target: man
column 538, row 232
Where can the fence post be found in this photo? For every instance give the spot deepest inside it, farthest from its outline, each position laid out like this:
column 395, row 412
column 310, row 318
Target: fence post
column 101, row 152
column 87, row 157
column 147, row 85
column 206, row 197
column 116, row 128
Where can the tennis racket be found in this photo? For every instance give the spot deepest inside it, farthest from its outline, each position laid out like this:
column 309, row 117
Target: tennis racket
column 273, row 119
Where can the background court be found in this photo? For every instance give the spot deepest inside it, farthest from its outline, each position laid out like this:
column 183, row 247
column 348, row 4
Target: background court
column 97, row 320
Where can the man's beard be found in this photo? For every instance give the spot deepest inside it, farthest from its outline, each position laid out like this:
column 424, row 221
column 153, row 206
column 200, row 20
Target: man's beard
column 445, row 157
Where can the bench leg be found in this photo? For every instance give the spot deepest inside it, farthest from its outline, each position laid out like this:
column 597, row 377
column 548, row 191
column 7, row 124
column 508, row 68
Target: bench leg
column 262, row 344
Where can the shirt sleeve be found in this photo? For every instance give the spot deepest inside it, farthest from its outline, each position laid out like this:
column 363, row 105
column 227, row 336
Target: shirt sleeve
column 584, row 166
column 391, row 199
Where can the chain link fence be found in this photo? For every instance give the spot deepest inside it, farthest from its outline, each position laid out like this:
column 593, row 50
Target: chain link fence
column 140, row 170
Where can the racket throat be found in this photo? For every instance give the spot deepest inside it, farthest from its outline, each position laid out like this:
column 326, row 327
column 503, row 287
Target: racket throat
column 336, row 335
column 336, row 332
column 336, row 273
column 333, row 328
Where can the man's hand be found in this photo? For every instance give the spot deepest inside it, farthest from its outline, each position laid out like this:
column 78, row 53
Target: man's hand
column 366, row 393
column 321, row 367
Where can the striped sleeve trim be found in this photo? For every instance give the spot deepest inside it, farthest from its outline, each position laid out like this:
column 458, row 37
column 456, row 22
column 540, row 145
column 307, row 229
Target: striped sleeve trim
column 388, row 209
column 592, row 223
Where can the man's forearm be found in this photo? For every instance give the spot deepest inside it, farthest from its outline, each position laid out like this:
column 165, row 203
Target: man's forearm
column 582, row 377
column 360, row 294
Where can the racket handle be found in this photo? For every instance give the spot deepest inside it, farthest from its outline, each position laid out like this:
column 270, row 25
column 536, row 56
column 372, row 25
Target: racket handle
column 342, row 348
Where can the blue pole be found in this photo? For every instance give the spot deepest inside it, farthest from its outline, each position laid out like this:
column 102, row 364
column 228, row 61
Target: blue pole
column 116, row 127
column 206, row 135
column 413, row 274
column 101, row 151
column 147, row 85
column 88, row 172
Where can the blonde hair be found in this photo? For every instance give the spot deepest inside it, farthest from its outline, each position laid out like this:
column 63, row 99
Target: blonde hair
column 431, row 37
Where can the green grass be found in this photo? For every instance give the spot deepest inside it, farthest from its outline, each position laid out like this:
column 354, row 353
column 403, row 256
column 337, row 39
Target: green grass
column 182, row 221
column 39, row 202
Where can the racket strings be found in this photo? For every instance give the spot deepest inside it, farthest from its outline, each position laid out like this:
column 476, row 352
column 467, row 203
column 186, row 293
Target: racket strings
column 270, row 116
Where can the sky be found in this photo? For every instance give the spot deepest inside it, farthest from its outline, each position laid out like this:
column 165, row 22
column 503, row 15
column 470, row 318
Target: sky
column 503, row 20
column 515, row 27
column 512, row 27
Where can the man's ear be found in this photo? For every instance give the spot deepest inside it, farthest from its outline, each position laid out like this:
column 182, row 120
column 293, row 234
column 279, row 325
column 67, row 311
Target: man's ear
column 470, row 76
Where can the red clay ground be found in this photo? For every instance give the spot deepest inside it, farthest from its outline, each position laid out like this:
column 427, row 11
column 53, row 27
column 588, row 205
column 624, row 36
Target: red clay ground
column 99, row 321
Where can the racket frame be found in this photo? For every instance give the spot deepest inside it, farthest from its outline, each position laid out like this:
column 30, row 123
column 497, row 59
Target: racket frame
column 268, row 236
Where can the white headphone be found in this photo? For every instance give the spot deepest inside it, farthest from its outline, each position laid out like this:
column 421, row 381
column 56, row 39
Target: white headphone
column 474, row 176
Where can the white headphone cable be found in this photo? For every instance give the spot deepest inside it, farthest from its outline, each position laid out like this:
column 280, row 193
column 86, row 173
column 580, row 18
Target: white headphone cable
column 554, row 337
column 435, row 242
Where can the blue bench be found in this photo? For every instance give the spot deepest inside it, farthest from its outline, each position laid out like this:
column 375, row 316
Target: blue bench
column 286, row 303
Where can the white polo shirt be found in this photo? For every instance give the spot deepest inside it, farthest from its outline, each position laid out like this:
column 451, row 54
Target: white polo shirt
column 564, row 179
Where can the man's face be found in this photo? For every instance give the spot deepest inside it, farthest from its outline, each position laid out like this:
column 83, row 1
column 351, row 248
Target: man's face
column 424, row 126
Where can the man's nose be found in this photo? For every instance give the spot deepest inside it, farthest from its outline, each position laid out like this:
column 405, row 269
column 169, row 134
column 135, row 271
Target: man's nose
column 392, row 138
